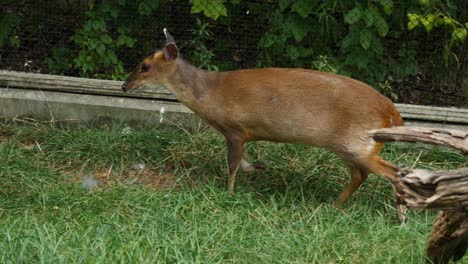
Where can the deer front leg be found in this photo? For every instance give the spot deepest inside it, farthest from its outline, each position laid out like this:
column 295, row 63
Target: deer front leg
column 235, row 148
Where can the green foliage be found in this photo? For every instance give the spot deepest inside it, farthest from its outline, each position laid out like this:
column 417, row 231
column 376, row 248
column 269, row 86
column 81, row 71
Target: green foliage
column 302, row 32
column 376, row 41
column 201, row 55
column 108, row 30
column 305, row 31
column 8, row 24
column 362, row 46
column 60, row 61
column 210, row 8
column 281, row 42
column 324, row 63
column 405, row 64
column 98, row 46
column 437, row 19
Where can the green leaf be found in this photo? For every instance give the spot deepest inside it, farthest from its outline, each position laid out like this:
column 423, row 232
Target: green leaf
column 114, row 13
column 98, row 25
column 424, row 3
column 438, row 21
column 381, row 26
column 353, row 16
column 304, row 7
column 14, row 41
column 267, row 40
column 411, row 67
column 459, row 34
column 106, row 39
column 368, row 17
column 352, row 38
column 376, row 45
column 427, row 24
column 448, row 20
column 413, row 20
column 365, row 38
column 101, row 49
column 293, row 52
column 7, row 25
column 210, row 8
column 146, row 7
column 125, row 40
column 412, row 24
column 105, row 6
column 347, row 41
column 358, row 58
column 297, row 26
column 283, row 4
column 412, row 16
column 387, row 6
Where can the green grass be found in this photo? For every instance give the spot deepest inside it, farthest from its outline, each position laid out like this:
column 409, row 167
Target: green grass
column 281, row 215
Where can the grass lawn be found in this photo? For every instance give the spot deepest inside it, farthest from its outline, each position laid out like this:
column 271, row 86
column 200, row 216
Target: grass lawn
column 161, row 198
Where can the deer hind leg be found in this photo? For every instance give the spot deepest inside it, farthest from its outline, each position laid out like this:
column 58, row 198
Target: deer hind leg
column 358, row 176
column 251, row 167
column 381, row 167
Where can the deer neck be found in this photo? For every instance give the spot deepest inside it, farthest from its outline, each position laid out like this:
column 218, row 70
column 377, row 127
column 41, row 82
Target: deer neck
column 191, row 84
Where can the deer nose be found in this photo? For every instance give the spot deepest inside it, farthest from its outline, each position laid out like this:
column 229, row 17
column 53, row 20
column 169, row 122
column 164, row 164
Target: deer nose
column 124, row 87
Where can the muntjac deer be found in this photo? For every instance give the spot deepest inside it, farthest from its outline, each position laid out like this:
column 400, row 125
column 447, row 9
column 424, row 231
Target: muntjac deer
column 281, row 105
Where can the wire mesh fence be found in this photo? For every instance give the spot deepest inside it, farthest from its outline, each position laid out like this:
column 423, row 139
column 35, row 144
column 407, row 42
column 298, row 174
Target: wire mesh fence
column 386, row 45
column 47, row 31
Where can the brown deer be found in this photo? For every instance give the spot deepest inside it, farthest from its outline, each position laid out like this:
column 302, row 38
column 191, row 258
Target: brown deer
column 280, row 105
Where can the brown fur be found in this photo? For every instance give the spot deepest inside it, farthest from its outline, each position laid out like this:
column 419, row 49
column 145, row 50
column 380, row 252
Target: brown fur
column 281, row 105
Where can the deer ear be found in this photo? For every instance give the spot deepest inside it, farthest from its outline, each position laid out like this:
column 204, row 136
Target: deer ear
column 171, row 52
column 169, row 38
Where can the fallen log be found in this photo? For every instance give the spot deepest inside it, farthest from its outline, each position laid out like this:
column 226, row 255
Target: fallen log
column 437, row 136
column 442, row 190
column 449, row 237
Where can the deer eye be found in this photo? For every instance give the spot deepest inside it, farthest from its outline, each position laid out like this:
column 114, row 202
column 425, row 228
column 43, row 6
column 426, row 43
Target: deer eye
column 144, row 68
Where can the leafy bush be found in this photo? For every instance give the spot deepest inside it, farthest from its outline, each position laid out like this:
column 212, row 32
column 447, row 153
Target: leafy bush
column 9, row 22
column 380, row 42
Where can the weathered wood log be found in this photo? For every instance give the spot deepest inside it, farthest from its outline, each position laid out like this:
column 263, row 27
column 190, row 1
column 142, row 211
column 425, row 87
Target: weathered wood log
column 449, row 237
column 444, row 190
column 445, row 137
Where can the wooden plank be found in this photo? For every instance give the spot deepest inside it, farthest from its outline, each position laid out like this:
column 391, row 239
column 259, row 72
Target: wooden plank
column 431, row 113
column 45, row 82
